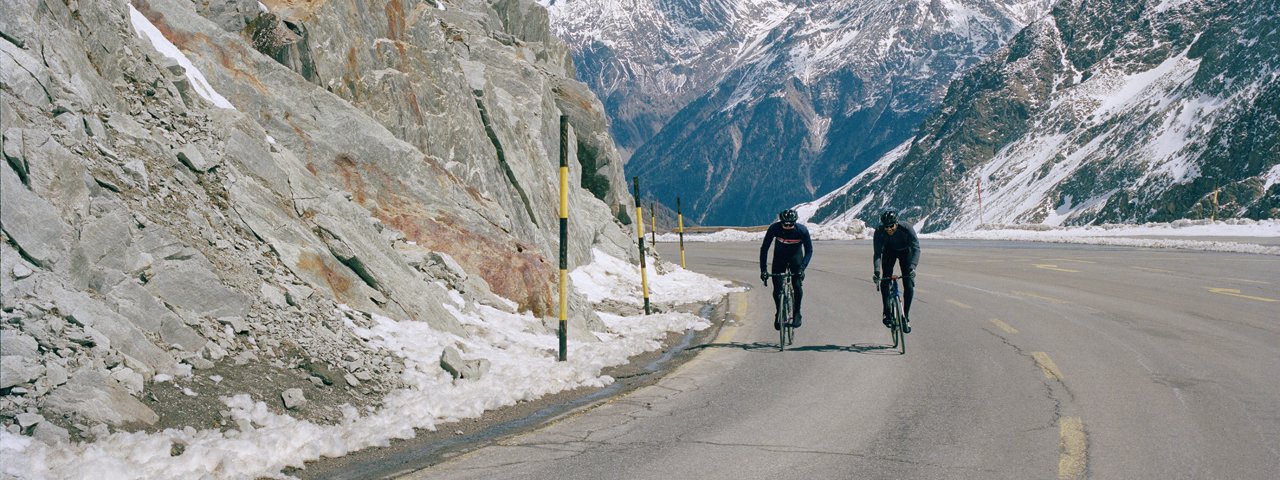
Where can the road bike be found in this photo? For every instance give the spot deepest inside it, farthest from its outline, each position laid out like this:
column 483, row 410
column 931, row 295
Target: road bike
column 786, row 332
column 898, row 320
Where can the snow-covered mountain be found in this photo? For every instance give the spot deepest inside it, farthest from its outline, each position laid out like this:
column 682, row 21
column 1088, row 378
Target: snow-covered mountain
column 646, row 59
column 779, row 100
column 1104, row 111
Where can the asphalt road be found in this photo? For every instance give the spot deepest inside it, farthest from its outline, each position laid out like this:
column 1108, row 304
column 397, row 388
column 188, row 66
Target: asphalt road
column 1028, row 360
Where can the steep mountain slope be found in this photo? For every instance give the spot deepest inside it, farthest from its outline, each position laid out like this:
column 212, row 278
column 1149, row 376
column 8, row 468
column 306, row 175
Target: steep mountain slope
column 646, row 59
column 202, row 186
column 811, row 91
column 1106, row 111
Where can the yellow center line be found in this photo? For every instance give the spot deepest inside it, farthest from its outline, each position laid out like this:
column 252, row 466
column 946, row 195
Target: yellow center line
column 1157, row 270
column 958, row 304
column 1041, row 297
column 1236, row 293
column 1004, row 326
column 1071, row 461
column 1046, row 364
column 1050, row 266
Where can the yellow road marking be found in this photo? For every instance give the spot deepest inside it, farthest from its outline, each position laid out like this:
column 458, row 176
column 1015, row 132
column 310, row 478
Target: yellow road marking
column 1236, row 293
column 958, row 304
column 1046, row 364
column 1157, row 270
column 1050, row 266
column 1004, row 326
column 1041, row 297
column 1071, row 461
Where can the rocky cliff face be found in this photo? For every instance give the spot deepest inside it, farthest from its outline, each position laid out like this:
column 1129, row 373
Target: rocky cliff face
column 381, row 155
column 1105, row 111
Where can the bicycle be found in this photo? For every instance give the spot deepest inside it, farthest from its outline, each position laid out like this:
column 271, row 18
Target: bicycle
column 786, row 332
column 895, row 313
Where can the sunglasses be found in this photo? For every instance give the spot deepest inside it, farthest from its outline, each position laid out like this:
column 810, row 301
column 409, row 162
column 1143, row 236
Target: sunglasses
column 788, row 224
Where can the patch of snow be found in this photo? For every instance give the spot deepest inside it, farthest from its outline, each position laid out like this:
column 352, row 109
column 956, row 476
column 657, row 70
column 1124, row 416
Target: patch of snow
column 145, row 29
column 523, row 366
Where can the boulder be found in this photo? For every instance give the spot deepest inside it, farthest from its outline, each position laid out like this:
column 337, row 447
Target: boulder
column 99, row 398
column 33, row 223
column 191, row 284
column 18, row 370
column 15, row 342
column 293, row 399
column 451, row 361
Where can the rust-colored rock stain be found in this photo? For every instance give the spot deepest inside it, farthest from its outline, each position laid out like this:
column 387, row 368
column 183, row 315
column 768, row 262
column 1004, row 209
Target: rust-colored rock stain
column 315, row 264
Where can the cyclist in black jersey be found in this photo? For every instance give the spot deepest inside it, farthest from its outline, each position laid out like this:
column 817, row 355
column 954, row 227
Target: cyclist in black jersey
column 791, row 239
column 895, row 241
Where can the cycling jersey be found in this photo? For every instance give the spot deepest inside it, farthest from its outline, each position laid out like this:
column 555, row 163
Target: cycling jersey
column 788, row 243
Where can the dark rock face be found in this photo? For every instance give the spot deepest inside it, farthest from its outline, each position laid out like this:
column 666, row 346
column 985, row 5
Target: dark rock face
column 1105, row 111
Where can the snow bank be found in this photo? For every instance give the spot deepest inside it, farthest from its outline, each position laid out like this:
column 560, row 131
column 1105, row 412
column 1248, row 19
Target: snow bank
column 523, row 366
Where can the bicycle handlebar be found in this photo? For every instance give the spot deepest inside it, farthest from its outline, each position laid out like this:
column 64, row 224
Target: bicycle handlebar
column 783, row 275
column 890, row 277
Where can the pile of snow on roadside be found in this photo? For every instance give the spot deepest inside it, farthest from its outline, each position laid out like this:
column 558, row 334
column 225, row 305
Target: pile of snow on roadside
column 523, row 366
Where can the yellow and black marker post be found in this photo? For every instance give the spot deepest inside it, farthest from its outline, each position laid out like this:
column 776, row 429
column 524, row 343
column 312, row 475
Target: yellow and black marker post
column 680, row 228
column 644, row 281
column 564, row 235
column 653, row 225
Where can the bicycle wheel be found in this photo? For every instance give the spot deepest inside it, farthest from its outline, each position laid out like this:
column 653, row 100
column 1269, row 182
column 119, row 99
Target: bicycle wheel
column 899, row 321
column 783, row 323
column 893, row 324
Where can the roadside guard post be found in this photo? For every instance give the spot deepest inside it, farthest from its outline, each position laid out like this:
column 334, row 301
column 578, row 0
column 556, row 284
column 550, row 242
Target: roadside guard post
column 644, row 281
column 680, row 228
column 653, row 225
column 564, row 234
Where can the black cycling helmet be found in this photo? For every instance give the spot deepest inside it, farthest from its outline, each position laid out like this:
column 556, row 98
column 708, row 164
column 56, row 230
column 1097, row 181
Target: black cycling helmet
column 889, row 217
column 788, row 216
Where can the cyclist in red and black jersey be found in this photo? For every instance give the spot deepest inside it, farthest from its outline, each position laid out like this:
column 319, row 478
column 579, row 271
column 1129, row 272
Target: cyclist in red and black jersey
column 790, row 240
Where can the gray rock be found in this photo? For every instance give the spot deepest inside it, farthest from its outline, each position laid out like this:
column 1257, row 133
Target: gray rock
column 99, row 398
column 17, row 370
column 30, row 221
column 95, row 316
column 27, row 420
column 95, row 127
column 13, row 152
column 237, row 324
column 137, row 170
column 51, row 434
column 295, row 294
column 293, row 399
column 351, row 380
column 192, row 285
column 138, row 304
column 56, row 374
column 191, row 156
column 15, row 342
column 22, row 74
column 274, row 295
column 21, row 271
column 244, row 358
column 131, row 380
column 199, row 363
column 451, row 361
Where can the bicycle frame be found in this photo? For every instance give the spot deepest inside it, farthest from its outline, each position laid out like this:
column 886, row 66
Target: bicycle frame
column 786, row 333
column 895, row 312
